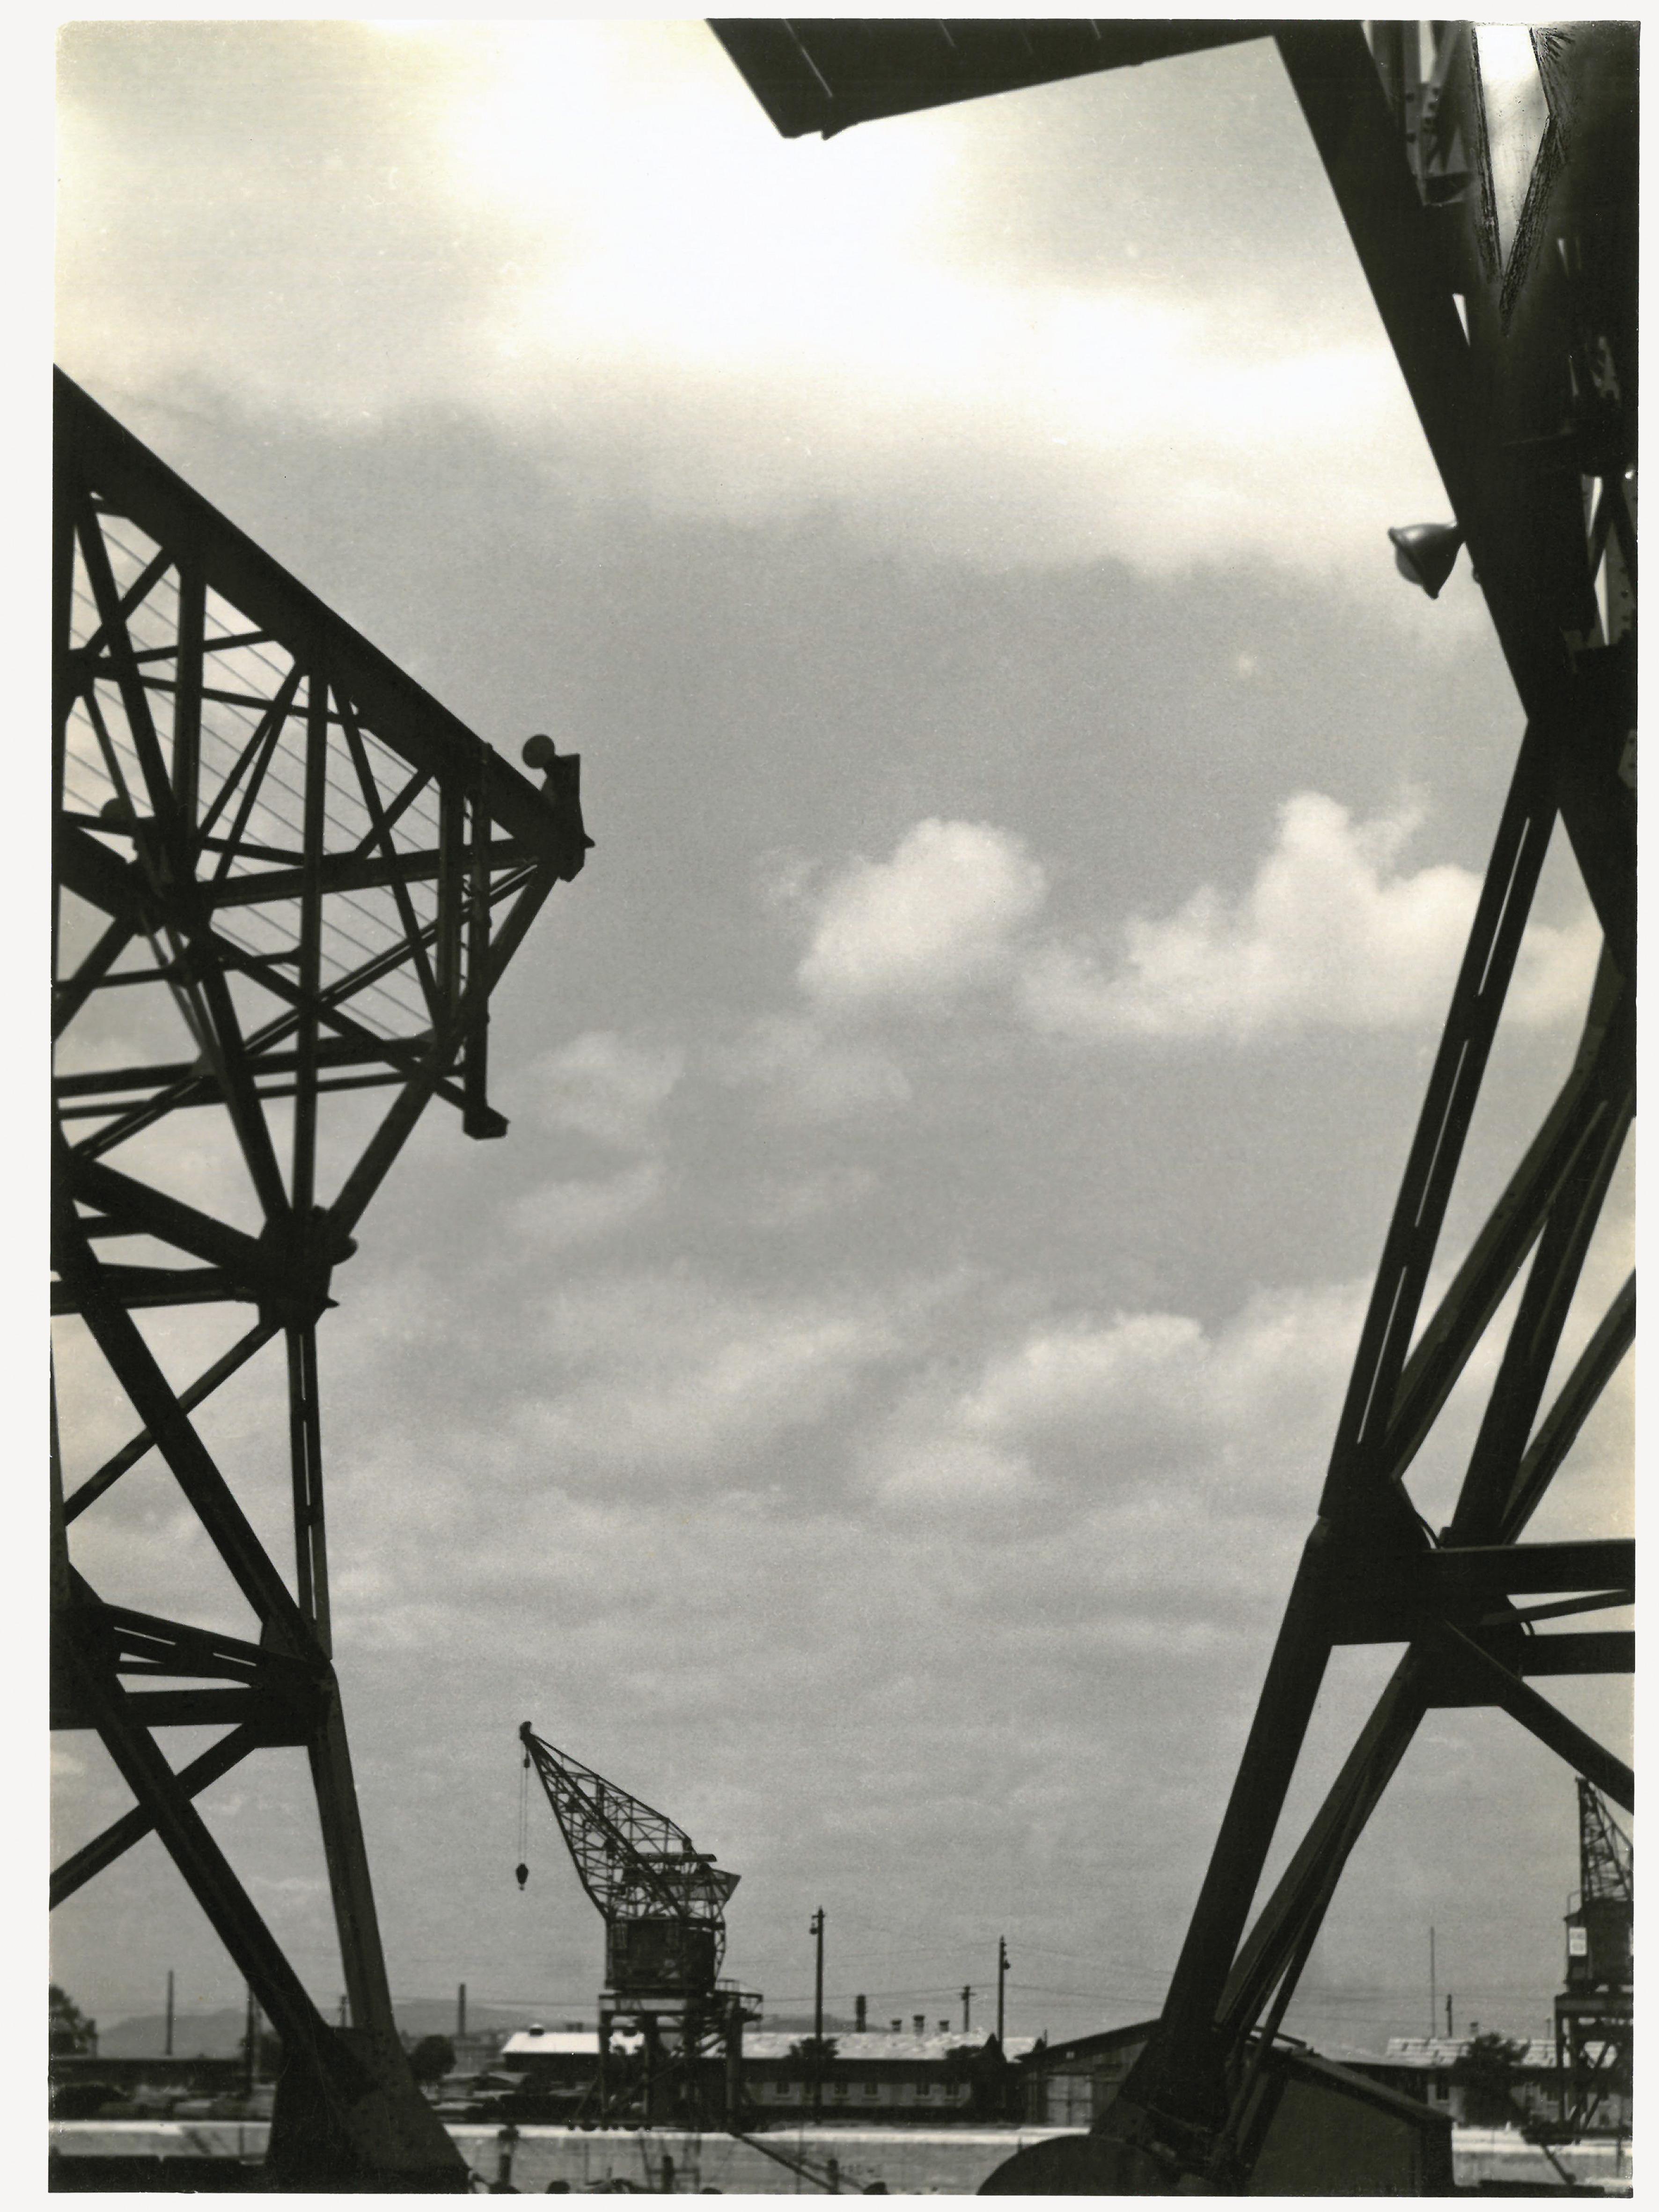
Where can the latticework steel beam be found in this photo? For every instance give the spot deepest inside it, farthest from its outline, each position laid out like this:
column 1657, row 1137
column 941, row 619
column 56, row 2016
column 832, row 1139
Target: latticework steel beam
column 1524, row 395
column 282, row 871
column 631, row 1860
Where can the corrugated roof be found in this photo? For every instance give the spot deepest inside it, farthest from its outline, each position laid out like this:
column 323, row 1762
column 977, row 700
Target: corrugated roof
column 856, row 2049
column 1446, row 2051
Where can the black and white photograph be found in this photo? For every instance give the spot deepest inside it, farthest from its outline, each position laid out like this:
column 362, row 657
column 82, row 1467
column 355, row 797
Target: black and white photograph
column 842, row 1220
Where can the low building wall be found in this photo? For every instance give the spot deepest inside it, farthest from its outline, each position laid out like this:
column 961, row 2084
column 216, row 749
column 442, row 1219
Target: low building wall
column 912, row 2161
column 1502, row 2155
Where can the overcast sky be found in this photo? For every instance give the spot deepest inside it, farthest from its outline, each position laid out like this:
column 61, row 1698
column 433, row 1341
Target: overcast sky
column 871, row 1403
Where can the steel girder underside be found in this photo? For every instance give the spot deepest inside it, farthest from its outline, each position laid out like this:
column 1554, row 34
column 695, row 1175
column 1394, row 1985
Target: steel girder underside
column 1494, row 213
column 282, row 872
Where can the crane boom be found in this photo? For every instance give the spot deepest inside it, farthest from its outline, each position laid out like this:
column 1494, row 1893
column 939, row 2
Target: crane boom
column 661, row 1899
column 1606, row 1861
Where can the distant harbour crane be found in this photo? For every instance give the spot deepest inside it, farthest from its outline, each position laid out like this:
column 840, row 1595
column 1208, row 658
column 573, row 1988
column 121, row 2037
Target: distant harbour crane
column 1593, row 2014
column 663, row 1902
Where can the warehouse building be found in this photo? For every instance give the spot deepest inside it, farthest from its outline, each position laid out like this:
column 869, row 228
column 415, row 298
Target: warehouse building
column 922, row 2076
column 939, row 2075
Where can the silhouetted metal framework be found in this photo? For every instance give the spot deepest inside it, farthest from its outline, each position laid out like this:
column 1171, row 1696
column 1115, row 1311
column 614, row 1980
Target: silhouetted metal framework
column 663, row 1905
column 1607, row 1863
column 1488, row 183
column 642, row 1870
column 281, row 872
column 1594, row 2019
column 823, row 73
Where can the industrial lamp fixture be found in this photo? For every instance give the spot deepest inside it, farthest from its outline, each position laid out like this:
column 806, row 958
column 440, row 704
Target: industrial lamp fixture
column 1424, row 553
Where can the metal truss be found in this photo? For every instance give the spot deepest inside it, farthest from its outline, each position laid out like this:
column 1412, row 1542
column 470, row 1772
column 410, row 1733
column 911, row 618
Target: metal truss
column 634, row 1862
column 1488, row 183
column 1594, row 2022
column 1606, row 1864
column 663, row 1905
column 282, row 872
column 1516, row 341
column 1594, row 2052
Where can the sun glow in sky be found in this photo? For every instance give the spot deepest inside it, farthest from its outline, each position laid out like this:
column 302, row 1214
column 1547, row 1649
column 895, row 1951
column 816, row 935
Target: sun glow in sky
column 776, row 319
column 819, row 287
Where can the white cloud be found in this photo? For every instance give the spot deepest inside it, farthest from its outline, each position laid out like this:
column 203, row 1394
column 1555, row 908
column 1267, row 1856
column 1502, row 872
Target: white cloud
column 1554, row 975
column 604, row 1086
column 1142, row 1404
column 805, row 1072
column 1333, row 931
column 950, row 1474
column 1329, row 932
column 581, row 1208
column 676, row 1376
column 786, row 1201
column 1062, row 1374
column 940, row 914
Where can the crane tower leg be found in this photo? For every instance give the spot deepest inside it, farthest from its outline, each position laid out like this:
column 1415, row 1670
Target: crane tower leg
column 170, row 831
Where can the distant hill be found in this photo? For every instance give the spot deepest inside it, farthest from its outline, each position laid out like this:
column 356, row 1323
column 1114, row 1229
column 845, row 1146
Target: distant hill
column 219, row 2034
column 195, row 2035
column 436, row 2016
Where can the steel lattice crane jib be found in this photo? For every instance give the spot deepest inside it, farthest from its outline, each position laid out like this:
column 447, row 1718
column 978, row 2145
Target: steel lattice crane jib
column 661, row 1899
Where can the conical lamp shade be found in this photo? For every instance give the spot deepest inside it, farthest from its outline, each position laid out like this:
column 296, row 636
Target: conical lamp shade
column 1426, row 552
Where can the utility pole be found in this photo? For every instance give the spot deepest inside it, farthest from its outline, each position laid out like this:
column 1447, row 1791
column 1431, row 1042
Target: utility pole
column 250, row 2069
column 1001, row 1975
column 169, row 2041
column 1433, row 2008
column 733, row 2027
column 461, row 2011
column 816, row 1931
column 1449, row 2015
column 967, row 2006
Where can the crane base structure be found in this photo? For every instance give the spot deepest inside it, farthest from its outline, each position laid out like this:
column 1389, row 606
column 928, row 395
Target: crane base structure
column 284, row 877
column 1486, row 175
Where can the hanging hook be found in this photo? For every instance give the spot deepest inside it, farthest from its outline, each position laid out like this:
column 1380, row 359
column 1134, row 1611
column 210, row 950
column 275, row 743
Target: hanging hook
column 522, row 1870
